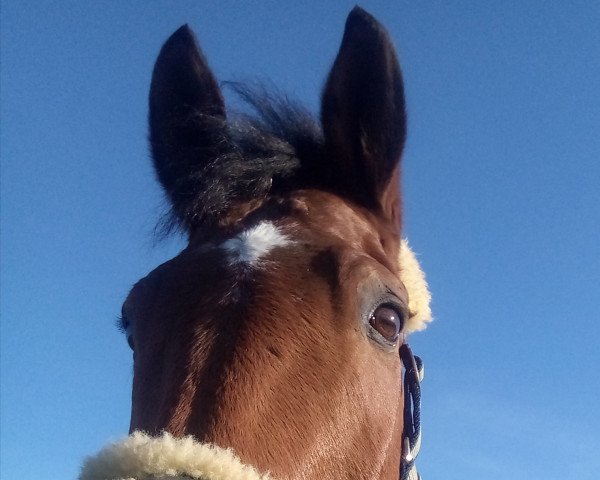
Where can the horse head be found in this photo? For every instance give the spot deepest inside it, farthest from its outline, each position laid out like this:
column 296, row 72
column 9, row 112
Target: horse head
column 276, row 331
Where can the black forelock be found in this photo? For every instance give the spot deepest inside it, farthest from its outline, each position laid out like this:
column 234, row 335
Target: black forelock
column 274, row 146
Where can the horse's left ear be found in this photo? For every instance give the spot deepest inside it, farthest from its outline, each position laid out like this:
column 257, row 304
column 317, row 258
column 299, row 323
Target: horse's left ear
column 363, row 115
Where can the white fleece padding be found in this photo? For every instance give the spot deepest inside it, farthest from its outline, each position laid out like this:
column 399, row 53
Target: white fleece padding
column 141, row 457
column 419, row 298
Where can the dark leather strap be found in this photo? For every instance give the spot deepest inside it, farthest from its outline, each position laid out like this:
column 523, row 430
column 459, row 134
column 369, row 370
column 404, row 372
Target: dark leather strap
column 411, row 434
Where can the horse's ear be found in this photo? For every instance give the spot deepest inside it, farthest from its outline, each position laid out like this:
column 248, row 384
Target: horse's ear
column 187, row 118
column 363, row 115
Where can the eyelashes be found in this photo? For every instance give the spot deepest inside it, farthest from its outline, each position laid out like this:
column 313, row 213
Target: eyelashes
column 122, row 324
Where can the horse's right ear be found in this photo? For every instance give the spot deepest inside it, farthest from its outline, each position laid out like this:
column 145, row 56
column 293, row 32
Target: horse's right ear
column 187, row 118
column 363, row 115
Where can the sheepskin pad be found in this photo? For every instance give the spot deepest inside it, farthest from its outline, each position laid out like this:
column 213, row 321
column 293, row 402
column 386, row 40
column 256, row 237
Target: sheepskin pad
column 419, row 298
column 141, row 457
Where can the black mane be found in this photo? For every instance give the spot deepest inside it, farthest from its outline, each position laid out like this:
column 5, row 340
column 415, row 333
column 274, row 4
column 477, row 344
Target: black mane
column 268, row 149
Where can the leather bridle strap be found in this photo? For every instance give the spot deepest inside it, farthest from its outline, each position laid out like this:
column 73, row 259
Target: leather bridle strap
column 411, row 434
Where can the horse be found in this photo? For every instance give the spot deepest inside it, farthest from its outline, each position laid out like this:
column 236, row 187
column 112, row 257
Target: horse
column 275, row 336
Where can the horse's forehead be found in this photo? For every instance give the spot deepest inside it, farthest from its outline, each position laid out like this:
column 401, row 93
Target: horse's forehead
column 330, row 219
column 312, row 220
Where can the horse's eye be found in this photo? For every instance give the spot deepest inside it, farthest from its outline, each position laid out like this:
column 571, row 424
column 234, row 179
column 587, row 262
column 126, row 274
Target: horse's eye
column 387, row 321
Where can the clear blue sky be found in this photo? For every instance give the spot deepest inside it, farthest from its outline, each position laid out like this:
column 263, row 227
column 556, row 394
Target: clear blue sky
column 502, row 201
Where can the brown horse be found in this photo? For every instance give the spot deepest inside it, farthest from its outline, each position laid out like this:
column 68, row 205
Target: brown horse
column 276, row 331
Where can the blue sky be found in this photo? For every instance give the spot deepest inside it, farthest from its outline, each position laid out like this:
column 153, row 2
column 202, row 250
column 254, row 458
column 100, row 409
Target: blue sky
column 502, row 202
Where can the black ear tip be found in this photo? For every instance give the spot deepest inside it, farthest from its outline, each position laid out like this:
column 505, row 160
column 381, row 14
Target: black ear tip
column 180, row 49
column 360, row 18
column 183, row 33
column 182, row 36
